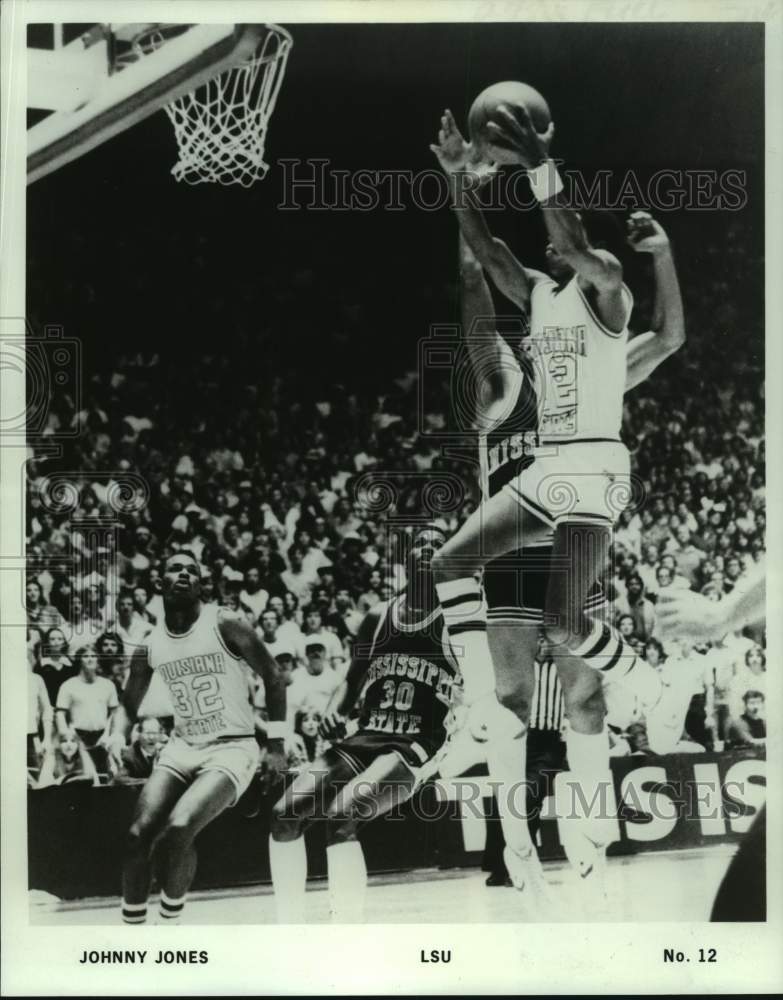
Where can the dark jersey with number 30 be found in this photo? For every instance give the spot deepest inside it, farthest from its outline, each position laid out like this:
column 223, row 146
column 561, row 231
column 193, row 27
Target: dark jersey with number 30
column 408, row 686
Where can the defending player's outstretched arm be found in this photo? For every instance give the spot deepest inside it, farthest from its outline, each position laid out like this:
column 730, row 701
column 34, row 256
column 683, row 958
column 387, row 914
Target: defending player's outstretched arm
column 686, row 613
column 467, row 175
column 648, row 350
column 337, row 712
column 495, row 370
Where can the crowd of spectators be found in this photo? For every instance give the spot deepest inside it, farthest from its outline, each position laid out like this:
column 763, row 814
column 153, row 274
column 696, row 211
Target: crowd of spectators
column 285, row 487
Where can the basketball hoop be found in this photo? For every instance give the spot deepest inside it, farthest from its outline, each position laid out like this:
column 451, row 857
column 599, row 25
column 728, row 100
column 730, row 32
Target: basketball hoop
column 221, row 126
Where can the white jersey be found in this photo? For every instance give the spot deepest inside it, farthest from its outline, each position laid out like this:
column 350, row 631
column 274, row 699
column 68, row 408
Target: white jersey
column 207, row 683
column 580, row 365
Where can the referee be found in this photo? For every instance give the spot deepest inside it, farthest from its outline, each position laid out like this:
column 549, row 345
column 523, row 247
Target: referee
column 546, row 756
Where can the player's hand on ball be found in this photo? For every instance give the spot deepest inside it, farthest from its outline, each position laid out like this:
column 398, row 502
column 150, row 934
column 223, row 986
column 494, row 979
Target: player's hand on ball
column 685, row 613
column 455, row 155
column 646, row 235
column 333, row 727
column 513, row 138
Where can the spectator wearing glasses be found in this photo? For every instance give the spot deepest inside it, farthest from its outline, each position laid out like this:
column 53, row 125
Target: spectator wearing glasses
column 139, row 758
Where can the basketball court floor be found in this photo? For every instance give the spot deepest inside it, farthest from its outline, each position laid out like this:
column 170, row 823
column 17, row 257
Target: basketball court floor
column 665, row 886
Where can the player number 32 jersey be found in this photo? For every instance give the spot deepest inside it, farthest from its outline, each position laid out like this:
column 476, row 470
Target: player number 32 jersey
column 207, row 683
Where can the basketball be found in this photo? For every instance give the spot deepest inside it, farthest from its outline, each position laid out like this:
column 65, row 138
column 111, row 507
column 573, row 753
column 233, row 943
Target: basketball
column 513, row 94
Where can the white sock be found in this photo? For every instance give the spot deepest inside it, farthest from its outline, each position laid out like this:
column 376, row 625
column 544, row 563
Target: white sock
column 288, row 862
column 592, row 803
column 506, row 761
column 607, row 652
column 134, row 913
column 171, row 909
column 465, row 613
column 347, row 881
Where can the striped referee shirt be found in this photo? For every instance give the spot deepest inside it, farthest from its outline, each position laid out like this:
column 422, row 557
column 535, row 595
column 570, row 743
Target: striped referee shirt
column 546, row 710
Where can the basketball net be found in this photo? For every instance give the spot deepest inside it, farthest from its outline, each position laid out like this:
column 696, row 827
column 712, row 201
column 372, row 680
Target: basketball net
column 221, row 126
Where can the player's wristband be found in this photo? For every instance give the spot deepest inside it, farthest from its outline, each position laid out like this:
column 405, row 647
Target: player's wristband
column 277, row 730
column 545, row 181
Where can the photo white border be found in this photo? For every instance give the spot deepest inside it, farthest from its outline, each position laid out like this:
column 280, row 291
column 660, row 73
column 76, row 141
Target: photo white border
column 373, row 959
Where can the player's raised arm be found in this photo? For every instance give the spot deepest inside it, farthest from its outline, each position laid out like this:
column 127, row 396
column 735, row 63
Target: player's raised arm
column 648, row 350
column 241, row 638
column 513, row 133
column 337, row 712
column 467, row 174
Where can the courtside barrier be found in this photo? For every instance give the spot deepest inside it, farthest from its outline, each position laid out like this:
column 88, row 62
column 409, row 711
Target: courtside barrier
column 76, row 832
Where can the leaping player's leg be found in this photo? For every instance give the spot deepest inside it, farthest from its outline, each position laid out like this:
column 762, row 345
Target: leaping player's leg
column 211, row 793
column 388, row 781
column 496, row 530
column 513, row 651
column 516, row 592
column 591, row 485
column 581, row 551
column 157, row 798
column 491, row 531
column 306, row 798
column 588, row 820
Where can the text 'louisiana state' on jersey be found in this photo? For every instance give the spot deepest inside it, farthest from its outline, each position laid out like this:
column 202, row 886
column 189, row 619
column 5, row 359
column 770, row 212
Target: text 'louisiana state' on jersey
column 208, row 684
column 408, row 686
column 579, row 364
